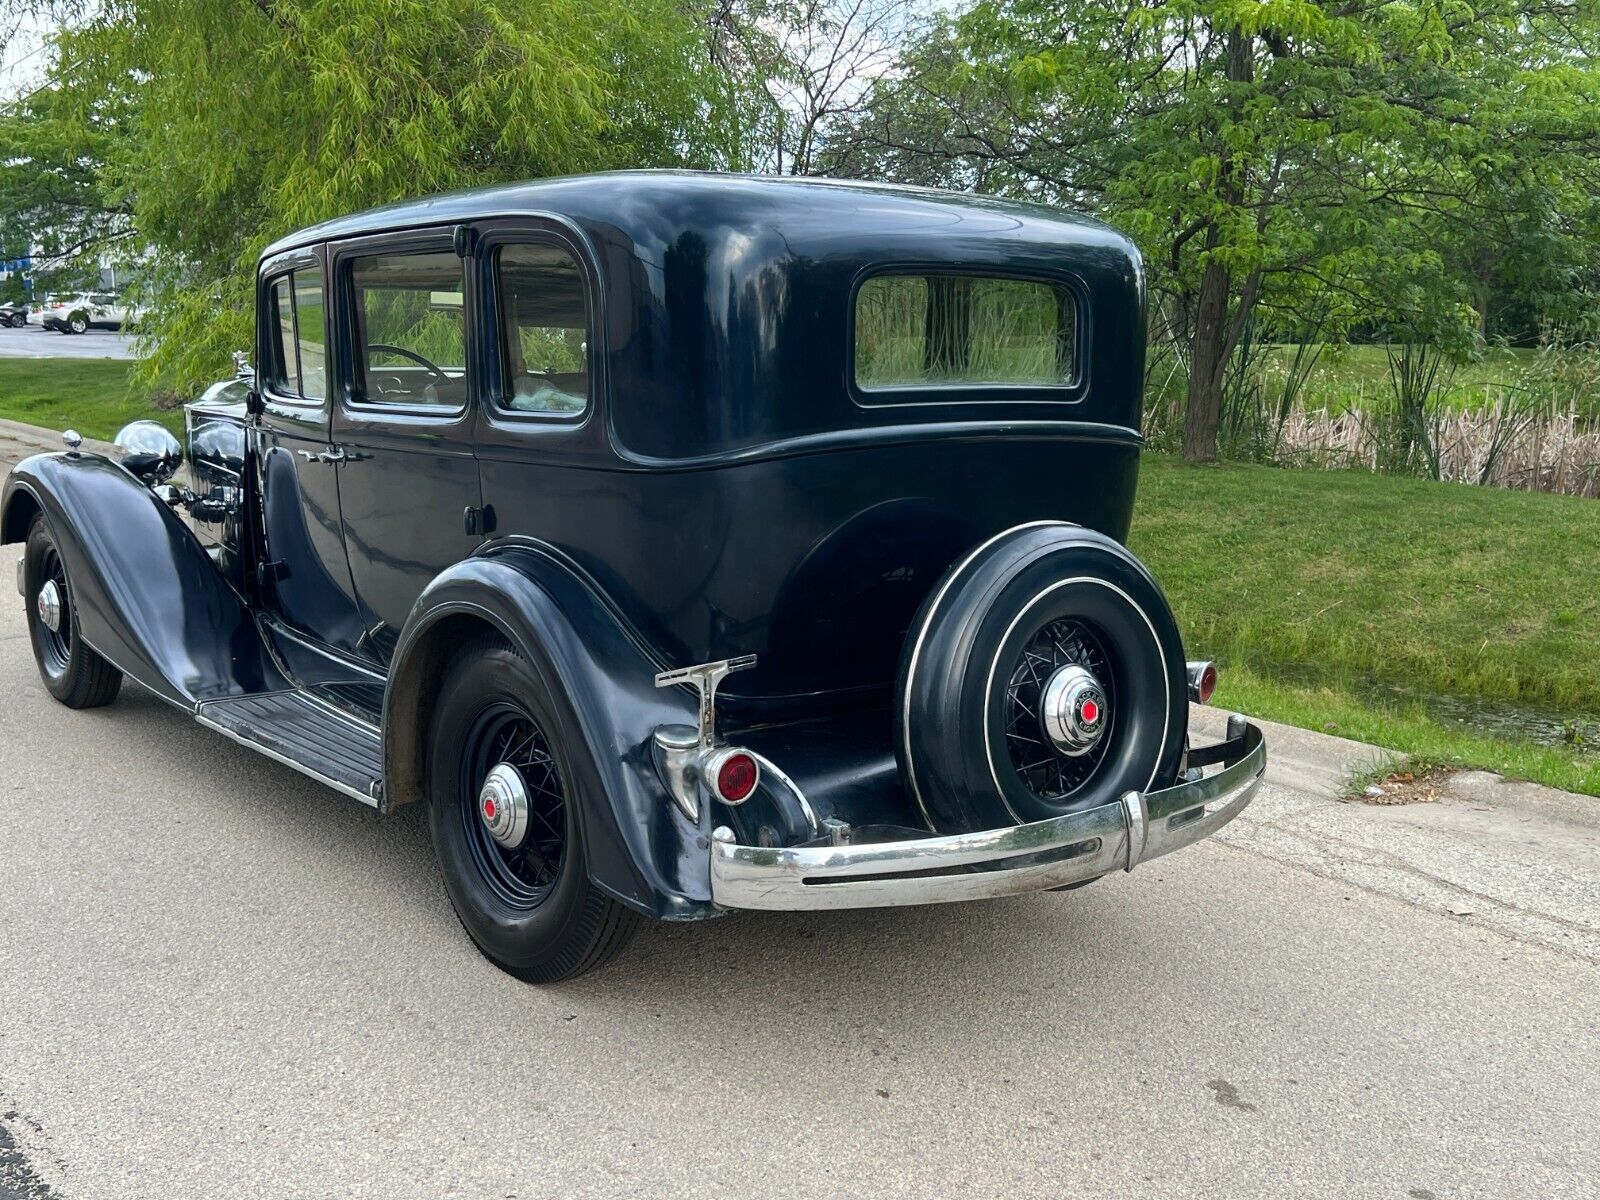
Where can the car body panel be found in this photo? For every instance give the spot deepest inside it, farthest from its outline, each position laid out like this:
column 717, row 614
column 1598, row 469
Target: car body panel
column 730, row 490
column 148, row 596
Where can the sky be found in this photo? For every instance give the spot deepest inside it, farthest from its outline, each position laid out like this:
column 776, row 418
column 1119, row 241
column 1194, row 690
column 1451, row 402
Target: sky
column 23, row 57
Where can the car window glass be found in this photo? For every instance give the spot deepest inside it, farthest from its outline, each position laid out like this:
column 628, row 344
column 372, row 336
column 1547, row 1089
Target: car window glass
column 285, row 369
column 411, row 329
column 921, row 331
column 311, row 339
column 544, row 325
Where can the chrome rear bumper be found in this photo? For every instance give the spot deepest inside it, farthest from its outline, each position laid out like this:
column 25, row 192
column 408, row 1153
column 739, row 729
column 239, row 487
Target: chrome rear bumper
column 995, row 862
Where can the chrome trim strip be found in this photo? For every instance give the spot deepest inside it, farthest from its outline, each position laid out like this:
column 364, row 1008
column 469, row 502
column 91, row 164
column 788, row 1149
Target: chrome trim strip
column 1021, row 858
column 200, row 716
column 337, row 713
column 768, row 767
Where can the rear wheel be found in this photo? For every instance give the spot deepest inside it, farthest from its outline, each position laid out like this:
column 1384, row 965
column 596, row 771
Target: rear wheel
column 507, row 821
column 1043, row 676
column 71, row 669
column 18, row 320
column 78, row 323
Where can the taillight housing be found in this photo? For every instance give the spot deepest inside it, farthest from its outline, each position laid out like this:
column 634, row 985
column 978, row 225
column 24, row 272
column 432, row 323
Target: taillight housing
column 732, row 774
column 1202, row 681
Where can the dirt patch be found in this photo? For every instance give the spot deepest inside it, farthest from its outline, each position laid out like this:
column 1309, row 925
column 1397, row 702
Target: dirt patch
column 1405, row 787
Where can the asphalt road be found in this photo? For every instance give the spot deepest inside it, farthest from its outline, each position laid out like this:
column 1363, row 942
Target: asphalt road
column 34, row 341
column 219, row 980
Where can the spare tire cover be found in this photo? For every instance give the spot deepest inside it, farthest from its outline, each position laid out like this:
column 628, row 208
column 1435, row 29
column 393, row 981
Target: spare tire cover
column 1043, row 675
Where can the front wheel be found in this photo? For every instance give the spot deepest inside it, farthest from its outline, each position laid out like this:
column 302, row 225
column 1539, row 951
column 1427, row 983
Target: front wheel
column 18, row 320
column 507, row 821
column 71, row 669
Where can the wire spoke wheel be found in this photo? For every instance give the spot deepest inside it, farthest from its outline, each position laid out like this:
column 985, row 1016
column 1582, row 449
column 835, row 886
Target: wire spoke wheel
column 521, row 875
column 55, row 645
column 1041, row 767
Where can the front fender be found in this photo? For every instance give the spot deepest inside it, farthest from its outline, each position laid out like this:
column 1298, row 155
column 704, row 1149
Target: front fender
column 639, row 847
column 148, row 597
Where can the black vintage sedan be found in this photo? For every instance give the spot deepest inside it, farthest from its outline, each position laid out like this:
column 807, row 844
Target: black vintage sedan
column 686, row 543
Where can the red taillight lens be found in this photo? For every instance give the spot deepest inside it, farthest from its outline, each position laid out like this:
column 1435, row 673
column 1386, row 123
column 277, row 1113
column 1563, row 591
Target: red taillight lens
column 736, row 777
column 1202, row 681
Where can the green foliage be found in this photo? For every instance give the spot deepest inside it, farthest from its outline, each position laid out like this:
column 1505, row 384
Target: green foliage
column 1291, row 163
column 249, row 120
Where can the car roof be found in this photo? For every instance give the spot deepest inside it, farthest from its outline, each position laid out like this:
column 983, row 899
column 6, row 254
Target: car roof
column 656, row 207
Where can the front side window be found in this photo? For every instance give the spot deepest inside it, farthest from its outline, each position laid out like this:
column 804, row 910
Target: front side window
column 284, row 365
column 950, row 331
column 310, row 339
column 297, row 342
column 411, row 330
column 544, row 327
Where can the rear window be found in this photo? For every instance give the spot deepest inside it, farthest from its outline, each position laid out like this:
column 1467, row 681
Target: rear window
column 963, row 331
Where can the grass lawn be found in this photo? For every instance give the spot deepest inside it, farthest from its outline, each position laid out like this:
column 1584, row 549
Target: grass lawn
column 91, row 395
column 1319, row 589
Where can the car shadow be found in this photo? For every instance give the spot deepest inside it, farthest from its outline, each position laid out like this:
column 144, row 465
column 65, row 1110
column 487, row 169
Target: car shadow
column 934, row 967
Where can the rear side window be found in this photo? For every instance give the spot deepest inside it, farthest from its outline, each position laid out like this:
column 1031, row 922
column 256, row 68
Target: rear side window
column 954, row 331
column 544, row 331
column 298, row 350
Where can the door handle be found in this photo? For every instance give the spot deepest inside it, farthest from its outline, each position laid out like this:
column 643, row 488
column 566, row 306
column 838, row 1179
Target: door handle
column 336, row 455
column 307, row 455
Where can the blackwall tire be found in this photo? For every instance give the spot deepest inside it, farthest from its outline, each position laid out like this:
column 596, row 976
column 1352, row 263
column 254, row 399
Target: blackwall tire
column 78, row 324
column 1021, row 607
column 536, row 918
column 72, row 671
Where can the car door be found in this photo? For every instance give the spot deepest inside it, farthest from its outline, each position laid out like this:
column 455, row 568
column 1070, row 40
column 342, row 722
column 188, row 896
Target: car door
column 303, row 576
column 403, row 421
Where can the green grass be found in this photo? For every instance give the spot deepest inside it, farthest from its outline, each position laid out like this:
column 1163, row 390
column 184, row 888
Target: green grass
column 1314, row 586
column 91, row 395
column 1347, row 377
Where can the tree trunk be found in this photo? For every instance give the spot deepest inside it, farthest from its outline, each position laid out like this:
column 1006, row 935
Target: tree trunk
column 1208, row 363
column 1214, row 333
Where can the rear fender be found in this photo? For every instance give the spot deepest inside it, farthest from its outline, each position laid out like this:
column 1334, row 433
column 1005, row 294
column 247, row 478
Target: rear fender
column 148, row 596
column 640, row 848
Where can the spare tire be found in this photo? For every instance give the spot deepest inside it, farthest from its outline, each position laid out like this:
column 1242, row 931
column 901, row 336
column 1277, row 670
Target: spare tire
column 1043, row 675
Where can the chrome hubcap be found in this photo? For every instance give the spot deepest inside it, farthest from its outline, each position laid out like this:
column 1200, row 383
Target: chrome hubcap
column 1073, row 710
column 503, row 805
column 49, row 606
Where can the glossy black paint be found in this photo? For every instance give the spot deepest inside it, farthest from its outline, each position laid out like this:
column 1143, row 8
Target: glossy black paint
column 641, row 848
column 728, row 491
column 148, row 596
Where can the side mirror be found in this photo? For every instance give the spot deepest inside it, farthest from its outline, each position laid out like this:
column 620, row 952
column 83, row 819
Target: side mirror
column 253, row 404
column 149, row 452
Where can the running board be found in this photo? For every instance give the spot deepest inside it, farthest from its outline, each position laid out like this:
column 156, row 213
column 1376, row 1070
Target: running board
column 307, row 734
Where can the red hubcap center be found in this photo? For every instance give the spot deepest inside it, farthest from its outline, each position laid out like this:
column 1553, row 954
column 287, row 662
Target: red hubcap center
column 488, row 808
column 1091, row 712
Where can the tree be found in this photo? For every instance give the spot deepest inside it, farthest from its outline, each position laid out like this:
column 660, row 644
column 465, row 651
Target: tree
column 1281, row 159
column 251, row 119
column 804, row 68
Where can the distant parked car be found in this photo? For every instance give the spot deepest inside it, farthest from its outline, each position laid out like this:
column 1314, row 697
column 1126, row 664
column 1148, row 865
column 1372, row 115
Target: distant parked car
column 79, row 314
column 13, row 314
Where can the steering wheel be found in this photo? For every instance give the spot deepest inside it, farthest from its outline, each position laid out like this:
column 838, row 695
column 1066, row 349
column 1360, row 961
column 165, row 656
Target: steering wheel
column 432, row 368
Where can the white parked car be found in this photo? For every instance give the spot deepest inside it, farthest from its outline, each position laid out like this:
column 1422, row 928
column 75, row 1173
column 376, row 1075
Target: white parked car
column 78, row 314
